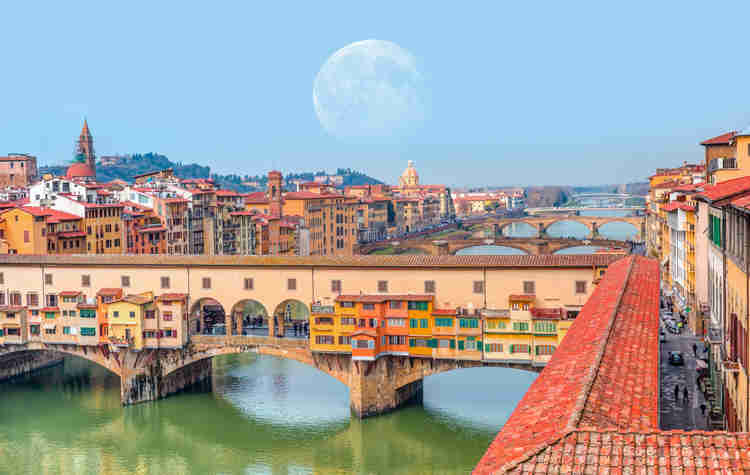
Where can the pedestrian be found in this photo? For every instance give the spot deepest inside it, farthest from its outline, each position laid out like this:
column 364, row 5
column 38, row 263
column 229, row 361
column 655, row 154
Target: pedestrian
column 695, row 350
column 685, row 394
column 677, row 393
column 703, row 409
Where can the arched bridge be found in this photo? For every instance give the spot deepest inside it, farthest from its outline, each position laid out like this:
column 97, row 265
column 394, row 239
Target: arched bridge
column 593, row 223
column 375, row 386
column 531, row 246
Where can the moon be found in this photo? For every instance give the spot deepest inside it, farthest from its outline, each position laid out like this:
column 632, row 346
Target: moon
column 370, row 89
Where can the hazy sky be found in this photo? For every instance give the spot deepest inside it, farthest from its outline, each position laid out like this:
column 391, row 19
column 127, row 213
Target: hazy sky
column 521, row 92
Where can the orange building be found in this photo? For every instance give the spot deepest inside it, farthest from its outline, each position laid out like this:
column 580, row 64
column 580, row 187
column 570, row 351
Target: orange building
column 23, row 230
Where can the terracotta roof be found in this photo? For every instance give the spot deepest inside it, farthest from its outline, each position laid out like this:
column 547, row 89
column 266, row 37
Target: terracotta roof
column 226, row 193
column 522, row 297
column 444, row 311
column 70, row 293
column 171, row 297
column 725, row 189
column 548, row 313
column 575, row 414
column 722, row 139
column 36, row 210
column 134, row 299
column 689, row 187
column 86, row 305
column 109, row 291
column 384, row 298
column 675, row 205
column 370, row 333
column 50, row 309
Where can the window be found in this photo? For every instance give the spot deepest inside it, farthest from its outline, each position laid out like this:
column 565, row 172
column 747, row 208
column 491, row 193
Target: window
column 545, row 327
column 336, row 286
column 417, row 305
column 520, row 348
column 324, row 321
column 419, row 342
column 397, row 339
column 363, row 344
column 495, row 325
column 150, row 314
column 85, row 280
column 382, row 286
column 88, row 313
column 132, row 314
column 26, row 237
column 51, row 300
column 15, row 298
column 373, row 323
column 50, row 331
column 206, row 282
column 471, row 345
column 48, row 279
column 32, row 299
column 493, row 347
column 2, row 278
column 396, row 322
column 72, row 313
column 125, row 280
column 424, row 323
column 346, row 304
column 446, row 343
column 165, row 282
column 478, row 287
column 545, row 349
column 291, row 284
column 443, row 322
column 34, row 329
column 529, row 287
column 580, row 286
column 521, row 326
column 347, row 321
column 115, row 314
column 429, row 286
column 324, row 339
column 468, row 323
column 66, row 330
column 167, row 316
column 394, row 304
column 413, row 323
column 345, row 340
column 249, row 283
column 2, row 298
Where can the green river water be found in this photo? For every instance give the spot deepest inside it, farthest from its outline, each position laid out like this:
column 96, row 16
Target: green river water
column 264, row 415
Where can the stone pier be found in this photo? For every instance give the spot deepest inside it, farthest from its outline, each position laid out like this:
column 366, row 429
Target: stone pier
column 152, row 383
column 23, row 362
column 377, row 387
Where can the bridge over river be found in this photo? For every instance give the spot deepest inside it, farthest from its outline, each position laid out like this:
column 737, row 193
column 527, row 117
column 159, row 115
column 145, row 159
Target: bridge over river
column 534, row 246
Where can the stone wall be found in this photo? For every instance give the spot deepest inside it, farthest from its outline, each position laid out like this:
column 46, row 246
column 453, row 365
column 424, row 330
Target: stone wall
column 22, row 362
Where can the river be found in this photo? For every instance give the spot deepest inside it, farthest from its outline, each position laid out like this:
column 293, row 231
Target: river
column 618, row 231
column 264, row 415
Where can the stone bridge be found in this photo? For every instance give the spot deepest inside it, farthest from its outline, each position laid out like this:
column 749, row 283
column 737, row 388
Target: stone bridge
column 532, row 246
column 375, row 387
column 593, row 223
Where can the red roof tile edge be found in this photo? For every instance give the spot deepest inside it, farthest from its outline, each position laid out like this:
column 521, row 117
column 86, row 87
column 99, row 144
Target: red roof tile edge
column 488, row 463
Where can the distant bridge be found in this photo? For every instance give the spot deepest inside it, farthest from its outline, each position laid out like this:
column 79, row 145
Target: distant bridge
column 577, row 209
column 593, row 223
column 533, row 246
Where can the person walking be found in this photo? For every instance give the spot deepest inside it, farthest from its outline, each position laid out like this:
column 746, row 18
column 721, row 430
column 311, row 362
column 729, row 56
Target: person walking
column 677, row 393
column 703, row 409
column 695, row 350
column 685, row 395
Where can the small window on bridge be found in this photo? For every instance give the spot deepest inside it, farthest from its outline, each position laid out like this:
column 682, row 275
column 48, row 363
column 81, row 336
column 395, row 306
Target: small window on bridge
column 206, row 282
column 2, row 278
column 48, row 279
column 85, row 280
column 125, row 280
column 336, row 286
column 429, row 286
column 478, row 287
column 165, row 282
column 249, row 283
column 382, row 286
column 529, row 287
column 580, row 286
column 291, row 284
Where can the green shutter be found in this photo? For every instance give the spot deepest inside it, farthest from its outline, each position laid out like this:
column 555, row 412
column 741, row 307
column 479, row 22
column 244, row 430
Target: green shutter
column 479, row 345
column 460, row 344
column 487, row 347
column 453, row 343
column 434, row 342
column 411, row 342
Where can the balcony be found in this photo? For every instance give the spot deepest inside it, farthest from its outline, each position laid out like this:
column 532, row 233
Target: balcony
column 722, row 164
column 121, row 342
column 323, row 309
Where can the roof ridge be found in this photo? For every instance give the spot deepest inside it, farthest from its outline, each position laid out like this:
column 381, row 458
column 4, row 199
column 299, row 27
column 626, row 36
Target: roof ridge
column 575, row 417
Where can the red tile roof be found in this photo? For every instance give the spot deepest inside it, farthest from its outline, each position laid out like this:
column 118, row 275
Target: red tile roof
column 444, row 311
column 109, row 291
column 70, row 293
column 50, row 309
column 548, row 313
column 722, row 139
column 522, row 297
column 725, row 189
column 611, row 345
column 56, row 216
column 171, row 297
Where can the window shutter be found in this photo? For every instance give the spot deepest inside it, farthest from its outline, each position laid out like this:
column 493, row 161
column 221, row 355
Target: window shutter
column 460, row 344
column 487, row 347
column 453, row 344
column 411, row 341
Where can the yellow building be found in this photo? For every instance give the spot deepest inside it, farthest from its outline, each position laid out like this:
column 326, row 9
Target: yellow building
column 22, row 230
column 125, row 319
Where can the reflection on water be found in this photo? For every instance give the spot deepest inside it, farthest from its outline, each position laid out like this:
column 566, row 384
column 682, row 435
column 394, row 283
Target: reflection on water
column 264, row 415
column 490, row 251
column 520, row 230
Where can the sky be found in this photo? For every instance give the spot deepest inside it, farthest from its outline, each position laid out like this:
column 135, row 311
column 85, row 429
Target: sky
column 521, row 93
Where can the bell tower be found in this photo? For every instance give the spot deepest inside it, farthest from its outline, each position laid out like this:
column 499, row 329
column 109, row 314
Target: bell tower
column 273, row 193
column 85, row 147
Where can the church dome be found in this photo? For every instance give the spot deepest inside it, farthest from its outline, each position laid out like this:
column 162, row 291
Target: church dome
column 79, row 170
column 410, row 175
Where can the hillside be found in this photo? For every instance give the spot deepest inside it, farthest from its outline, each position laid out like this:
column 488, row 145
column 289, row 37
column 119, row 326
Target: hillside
column 127, row 166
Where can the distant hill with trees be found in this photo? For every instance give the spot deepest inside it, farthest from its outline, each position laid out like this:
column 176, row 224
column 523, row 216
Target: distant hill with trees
column 127, row 166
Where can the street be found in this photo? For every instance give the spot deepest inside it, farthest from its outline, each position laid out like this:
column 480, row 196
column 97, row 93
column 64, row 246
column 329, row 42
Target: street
column 679, row 414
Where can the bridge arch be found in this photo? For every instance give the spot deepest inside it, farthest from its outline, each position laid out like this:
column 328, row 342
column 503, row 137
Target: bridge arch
column 621, row 219
column 207, row 317
column 503, row 244
column 99, row 355
column 249, row 317
column 287, row 317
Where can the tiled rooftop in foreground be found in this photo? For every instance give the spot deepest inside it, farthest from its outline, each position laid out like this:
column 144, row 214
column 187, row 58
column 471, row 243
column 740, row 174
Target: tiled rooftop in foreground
column 595, row 407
